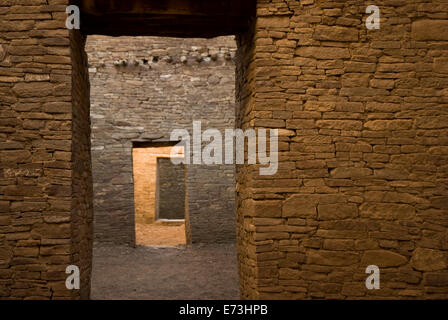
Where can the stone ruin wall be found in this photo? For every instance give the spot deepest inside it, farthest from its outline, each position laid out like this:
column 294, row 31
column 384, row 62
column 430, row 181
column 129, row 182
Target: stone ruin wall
column 363, row 122
column 45, row 215
column 142, row 88
column 363, row 151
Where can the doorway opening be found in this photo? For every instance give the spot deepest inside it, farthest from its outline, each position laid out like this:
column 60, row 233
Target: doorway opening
column 149, row 214
column 159, row 194
column 110, row 110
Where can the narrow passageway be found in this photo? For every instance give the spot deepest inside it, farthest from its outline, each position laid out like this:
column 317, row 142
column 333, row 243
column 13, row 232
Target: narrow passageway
column 196, row 272
column 143, row 89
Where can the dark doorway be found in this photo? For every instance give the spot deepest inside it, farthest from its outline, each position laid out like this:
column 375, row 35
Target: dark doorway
column 170, row 190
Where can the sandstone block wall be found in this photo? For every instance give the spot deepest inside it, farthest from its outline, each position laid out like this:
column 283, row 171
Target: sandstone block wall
column 81, row 218
column 45, row 182
column 142, row 89
column 362, row 118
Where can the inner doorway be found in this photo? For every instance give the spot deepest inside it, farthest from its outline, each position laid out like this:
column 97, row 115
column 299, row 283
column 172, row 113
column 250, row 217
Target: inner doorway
column 142, row 89
column 159, row 194
column 154, row 18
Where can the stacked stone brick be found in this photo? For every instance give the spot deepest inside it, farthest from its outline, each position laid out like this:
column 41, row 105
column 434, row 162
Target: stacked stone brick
column 363, row 150
column 363, row 132
column 45, row 186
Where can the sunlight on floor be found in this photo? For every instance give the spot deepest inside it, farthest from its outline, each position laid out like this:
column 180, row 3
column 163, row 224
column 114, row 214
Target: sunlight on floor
column 160, row 234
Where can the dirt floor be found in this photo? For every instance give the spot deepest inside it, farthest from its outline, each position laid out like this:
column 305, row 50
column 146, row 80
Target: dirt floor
column 159, row 234
column 196, row 272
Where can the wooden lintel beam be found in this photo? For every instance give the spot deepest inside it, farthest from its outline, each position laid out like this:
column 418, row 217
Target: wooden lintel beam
column 176, row 7
column 163, row 25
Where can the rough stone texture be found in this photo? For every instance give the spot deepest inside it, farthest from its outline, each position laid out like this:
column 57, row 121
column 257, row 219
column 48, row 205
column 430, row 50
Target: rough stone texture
column 170, row 190
column 144, row 93
column 362, row 176
column 45, row 181
column 362, row 118
column 82, row 184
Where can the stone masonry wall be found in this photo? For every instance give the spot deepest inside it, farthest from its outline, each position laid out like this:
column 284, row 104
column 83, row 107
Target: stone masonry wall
column 82, row 184
column 45, row 198
column 363, row 122
column 142, row 89
column 363, row 150
column 245, row 94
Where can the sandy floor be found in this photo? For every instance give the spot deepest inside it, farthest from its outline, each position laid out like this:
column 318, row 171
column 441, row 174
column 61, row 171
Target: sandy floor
column 196, row 272
column 159, row 234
